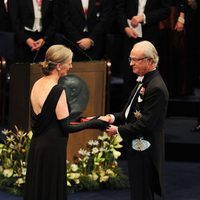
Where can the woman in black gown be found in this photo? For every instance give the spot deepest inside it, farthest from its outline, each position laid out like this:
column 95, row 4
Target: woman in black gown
column 46, row 172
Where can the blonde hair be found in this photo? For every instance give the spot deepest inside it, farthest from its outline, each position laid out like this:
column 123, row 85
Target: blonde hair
column 55, row 54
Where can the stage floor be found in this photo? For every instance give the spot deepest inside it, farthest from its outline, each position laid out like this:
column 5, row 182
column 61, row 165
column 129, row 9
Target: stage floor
column 178, row 130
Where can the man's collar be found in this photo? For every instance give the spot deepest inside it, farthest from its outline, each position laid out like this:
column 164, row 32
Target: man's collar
column 140, row 78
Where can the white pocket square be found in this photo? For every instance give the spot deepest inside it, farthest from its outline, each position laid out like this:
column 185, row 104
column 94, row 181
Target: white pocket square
column 140, row 144
column 140, row 99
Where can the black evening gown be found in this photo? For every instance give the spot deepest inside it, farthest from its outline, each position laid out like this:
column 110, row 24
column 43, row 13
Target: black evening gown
column 46, row 171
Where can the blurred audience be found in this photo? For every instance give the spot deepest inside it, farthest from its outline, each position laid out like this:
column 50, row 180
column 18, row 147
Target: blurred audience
column 107, row 29
column 173, row 52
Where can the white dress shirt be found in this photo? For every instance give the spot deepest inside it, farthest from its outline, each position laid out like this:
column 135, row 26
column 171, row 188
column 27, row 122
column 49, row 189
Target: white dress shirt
column 37, row 26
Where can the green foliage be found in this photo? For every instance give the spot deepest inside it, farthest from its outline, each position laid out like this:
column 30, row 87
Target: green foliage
column 118, row 182
column 96, row 166
column 88, row 184
column 13, row 155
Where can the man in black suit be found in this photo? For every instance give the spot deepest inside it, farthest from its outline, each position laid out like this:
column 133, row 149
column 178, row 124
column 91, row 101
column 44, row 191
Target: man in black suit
column 85, row 24
column 34, row 23
column 141, row 124
column 139, row 20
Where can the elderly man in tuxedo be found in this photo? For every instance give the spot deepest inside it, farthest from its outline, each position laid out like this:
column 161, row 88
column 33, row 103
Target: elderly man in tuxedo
column 141, row 124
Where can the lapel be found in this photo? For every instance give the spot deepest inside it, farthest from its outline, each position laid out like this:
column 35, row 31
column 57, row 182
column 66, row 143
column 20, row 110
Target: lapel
column 91, row 6
column 30, row 5
column 131, row 97
column 147, row 4
column 135, row 103
column 45, row 4
column 78, row 4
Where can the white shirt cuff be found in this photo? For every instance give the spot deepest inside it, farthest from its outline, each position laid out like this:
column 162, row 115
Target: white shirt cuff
column 144, row 22
column 112, row 118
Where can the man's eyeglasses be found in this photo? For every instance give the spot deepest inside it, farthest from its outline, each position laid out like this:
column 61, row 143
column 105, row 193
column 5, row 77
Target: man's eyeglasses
column 136, row 59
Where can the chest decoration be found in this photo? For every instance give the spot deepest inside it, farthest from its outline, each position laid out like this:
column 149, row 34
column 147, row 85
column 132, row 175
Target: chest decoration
column 140, row 144
column 141, row 94
column 138, row 114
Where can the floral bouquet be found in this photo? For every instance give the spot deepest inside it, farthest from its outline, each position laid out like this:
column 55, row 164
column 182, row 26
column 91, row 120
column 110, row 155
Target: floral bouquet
column 13, row 156
column 96, row 166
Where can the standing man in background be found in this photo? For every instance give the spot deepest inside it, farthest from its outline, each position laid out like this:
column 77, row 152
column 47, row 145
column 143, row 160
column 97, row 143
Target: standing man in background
column 85, row 24
column 34, row 24
column 141, row 124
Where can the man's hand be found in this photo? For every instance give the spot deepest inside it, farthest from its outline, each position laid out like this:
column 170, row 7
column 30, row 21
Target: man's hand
column 85, row 43
column 179, row 26
column 39, row 43
column 136, row 20
column 112, row 130
column 130, row 33
column 35, row 45
column 31, row 43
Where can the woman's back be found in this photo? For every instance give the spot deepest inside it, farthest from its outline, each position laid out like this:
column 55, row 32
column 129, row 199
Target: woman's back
column 39, row 93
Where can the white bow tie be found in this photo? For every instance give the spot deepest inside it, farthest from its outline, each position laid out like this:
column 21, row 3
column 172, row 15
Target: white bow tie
column 140, row 78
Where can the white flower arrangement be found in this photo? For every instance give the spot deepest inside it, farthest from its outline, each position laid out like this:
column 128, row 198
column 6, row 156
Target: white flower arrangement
column 95, row 167
column 13, row 155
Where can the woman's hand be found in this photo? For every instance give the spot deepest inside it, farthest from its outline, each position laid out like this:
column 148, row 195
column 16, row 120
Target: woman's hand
column 106, row 118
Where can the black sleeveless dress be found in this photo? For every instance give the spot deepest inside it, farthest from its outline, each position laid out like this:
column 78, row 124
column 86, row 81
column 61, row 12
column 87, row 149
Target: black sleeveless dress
column 46, row 171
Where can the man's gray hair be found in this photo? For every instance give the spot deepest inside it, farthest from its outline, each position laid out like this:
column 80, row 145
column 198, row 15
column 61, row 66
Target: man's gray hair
column 149, row 51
